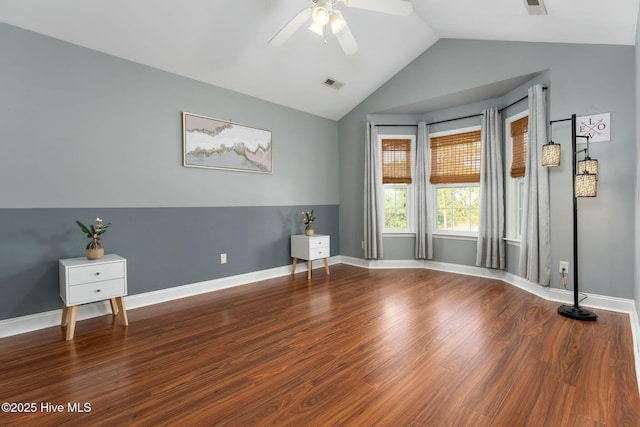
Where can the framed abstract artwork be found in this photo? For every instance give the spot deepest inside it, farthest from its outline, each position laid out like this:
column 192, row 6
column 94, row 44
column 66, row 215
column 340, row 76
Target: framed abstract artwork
column 220, row 144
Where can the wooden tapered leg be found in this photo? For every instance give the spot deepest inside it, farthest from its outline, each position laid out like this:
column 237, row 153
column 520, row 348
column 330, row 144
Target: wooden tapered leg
column 295, row 262
column 71, row 321
column 114, row 306
column 123, row 311
column 310, row 265
column 64, row 321
column 326, row 266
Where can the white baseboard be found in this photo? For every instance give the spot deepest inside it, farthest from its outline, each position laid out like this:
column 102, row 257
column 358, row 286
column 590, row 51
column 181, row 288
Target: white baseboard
column 603, row 302
column 32, row 322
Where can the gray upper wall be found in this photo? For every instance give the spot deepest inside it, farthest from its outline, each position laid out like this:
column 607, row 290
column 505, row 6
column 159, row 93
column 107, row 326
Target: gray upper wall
column 85, row 134
column 79, row 128
column 583, row 79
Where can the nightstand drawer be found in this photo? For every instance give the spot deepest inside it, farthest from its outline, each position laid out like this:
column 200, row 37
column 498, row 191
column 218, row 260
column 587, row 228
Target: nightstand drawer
column 99, row 272
column 96, row 291
column 317, row 253
column 319, row 242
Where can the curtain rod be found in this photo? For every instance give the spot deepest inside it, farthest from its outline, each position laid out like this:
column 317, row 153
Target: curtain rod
column 466, row 117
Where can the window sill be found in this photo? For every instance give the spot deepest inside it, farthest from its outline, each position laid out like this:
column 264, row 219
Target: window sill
column 511, row 241
column 454, row 236
column 399, row 234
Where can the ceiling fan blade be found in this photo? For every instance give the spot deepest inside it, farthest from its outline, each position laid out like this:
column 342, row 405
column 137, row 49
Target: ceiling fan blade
column 293, row 26
column 394, row 7
column 343, row 34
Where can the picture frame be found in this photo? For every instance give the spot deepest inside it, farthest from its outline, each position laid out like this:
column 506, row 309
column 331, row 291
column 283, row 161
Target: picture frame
column 596, row 126
column 221, row 144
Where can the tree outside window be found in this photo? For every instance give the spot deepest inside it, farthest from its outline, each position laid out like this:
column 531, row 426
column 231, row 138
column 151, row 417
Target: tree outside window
column 395, row 207
column 458, row 208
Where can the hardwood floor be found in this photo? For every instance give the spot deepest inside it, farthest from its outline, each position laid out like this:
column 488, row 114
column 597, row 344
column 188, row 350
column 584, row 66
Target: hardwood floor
column 357, row 348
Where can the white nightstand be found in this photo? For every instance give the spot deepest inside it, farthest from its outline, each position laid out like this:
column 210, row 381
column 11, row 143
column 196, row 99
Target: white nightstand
column 310, row 248
column 84, row 281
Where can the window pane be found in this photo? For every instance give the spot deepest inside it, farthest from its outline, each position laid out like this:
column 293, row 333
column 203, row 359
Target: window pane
column 395, row 200
column 460, row 197
column 444, row 219
column 445, row 199
column 520, row 207
column 461, row 219
column 458, row 208
column 475, row 219
column 389, row 198
column 474, row 197
column 401, row 198
column 397, row 219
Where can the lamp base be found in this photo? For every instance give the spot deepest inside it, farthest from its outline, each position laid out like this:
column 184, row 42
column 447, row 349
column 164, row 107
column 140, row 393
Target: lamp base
column 576, row 313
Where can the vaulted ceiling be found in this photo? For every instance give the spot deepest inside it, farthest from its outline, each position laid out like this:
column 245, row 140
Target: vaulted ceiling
column 225, row 42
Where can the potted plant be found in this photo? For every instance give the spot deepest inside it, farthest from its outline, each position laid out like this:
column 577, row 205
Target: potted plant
column 308, row 218
column 94, row 250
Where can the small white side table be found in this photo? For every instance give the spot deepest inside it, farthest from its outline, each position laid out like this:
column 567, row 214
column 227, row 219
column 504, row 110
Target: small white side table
column 310, row 248
column 85, row 281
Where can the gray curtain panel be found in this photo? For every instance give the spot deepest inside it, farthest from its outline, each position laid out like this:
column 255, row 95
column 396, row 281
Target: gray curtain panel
column 424, row 241
column 373, row 195
column 535, row 245
column 491, row 228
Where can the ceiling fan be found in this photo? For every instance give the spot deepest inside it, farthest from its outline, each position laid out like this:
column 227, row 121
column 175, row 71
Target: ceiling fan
column 322, row 13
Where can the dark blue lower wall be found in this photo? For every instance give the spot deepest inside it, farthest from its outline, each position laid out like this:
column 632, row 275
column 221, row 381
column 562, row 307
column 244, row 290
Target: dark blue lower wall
column 164, row 247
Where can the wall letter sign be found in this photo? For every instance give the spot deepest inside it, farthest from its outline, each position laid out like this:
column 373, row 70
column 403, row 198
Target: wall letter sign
column 597, row 127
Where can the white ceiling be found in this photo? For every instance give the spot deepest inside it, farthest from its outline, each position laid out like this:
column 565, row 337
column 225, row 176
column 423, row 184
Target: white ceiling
column 224, row 42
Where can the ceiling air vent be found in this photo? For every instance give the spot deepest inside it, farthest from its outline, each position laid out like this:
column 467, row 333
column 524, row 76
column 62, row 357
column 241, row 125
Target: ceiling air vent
column 535, row 7
column 332, row 83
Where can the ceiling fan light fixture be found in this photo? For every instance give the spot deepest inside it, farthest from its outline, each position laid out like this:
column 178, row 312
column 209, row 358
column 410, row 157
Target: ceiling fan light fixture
column 322, row 13
column 320, row 16
column 337, row 22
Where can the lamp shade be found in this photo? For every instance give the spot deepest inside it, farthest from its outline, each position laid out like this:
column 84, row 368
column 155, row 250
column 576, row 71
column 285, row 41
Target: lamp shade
column 551, row 154
column 588, row 164
column 586, row 185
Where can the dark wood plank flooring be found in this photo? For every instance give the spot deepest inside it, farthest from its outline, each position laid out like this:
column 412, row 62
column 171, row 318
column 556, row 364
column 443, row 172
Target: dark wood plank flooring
column 356, row 348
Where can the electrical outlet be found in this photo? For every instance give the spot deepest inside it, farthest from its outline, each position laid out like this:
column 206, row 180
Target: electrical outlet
column 362, row 244
column 223, row 258
column 564, row 267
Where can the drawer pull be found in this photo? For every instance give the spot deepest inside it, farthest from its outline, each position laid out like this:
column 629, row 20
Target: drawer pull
column 98, row 290
column 97, row 273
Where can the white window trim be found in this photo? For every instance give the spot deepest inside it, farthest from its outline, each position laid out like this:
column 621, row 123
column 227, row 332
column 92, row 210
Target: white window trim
column 511, row 184
column 452, row 234
column 410, row 230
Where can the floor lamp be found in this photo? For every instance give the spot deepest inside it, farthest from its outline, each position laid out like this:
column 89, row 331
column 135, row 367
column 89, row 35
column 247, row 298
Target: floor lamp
column 584, row 185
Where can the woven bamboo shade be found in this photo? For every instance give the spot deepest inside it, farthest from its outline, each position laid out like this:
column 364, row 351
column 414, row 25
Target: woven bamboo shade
column 455, row 158
column 396, row 161
column 519, row 142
